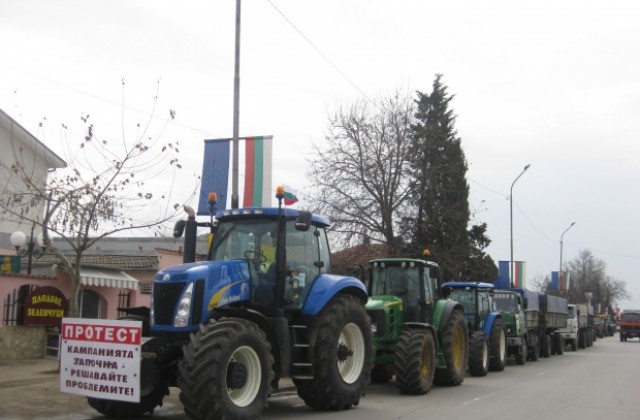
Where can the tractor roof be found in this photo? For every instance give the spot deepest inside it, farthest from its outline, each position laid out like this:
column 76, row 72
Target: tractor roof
column 398, row 261
column 468, row 284
column 268, row 212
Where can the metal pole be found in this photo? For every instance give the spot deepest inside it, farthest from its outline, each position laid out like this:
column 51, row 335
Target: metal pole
column 511, row 222
column 561, row 237
column 236, row 113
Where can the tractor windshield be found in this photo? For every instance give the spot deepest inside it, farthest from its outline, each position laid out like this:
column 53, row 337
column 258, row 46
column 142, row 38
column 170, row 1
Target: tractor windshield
column 395, row 280
column 506, row 303
column 255, row 240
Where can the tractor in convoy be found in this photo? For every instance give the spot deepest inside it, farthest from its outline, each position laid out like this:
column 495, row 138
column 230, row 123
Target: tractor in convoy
column 487, row 339
column 262, row 307
column 419, row 336
column 511, row 305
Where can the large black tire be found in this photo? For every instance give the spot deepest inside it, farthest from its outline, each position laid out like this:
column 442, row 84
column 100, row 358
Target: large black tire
column 343, row 356
column 415, row 363
column 545, row 348
column 226, row 371
column 582, row 340
column 521, row 353
column 534, row 350
column 478, row 354
column 150, row 398
column 497, row 346
column 574, row 343
column 381, row 374
column 455, row 350
column 151, row 395
column 558, row 344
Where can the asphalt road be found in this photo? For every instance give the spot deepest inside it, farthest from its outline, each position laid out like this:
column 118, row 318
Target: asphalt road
column 598, row 383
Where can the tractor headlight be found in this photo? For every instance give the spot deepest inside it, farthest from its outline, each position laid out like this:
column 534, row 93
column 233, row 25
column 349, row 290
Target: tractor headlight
column 184, row 308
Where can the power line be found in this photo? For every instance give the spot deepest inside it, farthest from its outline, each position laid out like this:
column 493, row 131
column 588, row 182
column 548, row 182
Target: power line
column 323, row 55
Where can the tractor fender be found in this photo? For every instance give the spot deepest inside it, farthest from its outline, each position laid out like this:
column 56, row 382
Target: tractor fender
column 420, row 326
column 443, row 311
column 489, row 320
column 326, row 286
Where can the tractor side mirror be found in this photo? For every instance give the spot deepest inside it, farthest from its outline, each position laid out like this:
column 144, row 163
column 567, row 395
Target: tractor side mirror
column 303, row 222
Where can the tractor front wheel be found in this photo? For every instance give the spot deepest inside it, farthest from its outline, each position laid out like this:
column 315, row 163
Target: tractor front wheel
column 415, row 363
column 226, row 371
column 343, row 356
column 478, row 354
column 498, row 339
column 521, row 353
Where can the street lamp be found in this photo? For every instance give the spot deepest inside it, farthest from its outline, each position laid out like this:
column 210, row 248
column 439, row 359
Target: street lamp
column 562, row 236
column 33, row 248
column 511, row 221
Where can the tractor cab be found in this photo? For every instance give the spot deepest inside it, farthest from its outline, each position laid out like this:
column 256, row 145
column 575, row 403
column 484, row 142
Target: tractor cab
column 281, row 255
column 414, row 281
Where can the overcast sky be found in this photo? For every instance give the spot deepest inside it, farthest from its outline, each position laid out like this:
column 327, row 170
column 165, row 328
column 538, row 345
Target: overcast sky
column 554, row 84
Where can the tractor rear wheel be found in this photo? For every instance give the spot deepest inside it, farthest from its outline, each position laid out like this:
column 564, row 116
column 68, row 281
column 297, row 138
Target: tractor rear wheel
column 498, row 346
column 226, row 371
column 343, row 356
column 455, row 349
column 415, row 363
column 478, row 354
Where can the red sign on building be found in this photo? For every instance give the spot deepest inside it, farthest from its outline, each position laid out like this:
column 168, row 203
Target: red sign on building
column 45, row 306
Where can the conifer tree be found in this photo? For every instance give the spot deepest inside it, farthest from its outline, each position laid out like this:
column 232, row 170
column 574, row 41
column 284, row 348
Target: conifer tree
column 441, row 192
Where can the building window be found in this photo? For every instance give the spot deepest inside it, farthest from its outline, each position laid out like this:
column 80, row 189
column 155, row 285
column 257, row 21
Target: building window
column 90, row 304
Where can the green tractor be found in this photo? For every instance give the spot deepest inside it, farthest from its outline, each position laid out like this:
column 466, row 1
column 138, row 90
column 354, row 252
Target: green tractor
column 419, row 336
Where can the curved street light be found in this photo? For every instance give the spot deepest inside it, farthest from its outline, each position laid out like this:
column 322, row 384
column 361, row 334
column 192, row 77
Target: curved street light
column 511, row 222
column 562, row 236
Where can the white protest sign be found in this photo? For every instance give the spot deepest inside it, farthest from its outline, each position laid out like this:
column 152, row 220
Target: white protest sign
column 101, row 358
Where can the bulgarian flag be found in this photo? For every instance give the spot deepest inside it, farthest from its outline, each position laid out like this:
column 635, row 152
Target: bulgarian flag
column 290, row 196
column 518, row 274
column 564, row 280
column 257, row 180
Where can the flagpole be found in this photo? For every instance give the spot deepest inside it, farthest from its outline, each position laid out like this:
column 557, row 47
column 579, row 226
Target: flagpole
column 236, row 113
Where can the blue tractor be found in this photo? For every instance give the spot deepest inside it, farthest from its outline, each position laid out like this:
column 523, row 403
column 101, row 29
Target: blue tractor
column 262, row 307
column 487, row 339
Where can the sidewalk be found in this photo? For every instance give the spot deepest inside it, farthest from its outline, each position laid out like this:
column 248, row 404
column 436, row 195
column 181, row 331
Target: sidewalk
column 30, row 389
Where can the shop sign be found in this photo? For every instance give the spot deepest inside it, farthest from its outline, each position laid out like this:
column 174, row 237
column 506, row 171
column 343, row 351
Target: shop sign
column 45, row 306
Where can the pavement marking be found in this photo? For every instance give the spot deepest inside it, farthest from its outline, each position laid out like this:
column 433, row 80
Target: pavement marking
column 476, row 399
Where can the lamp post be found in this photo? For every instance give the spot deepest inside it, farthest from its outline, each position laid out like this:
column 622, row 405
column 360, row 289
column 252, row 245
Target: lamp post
column 511, row 222
column 33, row 248
column 561, row 237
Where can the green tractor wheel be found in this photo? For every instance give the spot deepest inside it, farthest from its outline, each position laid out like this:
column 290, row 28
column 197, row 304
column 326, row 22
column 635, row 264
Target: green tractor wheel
column 415, row 362
column 455, row 349
column 498, row 347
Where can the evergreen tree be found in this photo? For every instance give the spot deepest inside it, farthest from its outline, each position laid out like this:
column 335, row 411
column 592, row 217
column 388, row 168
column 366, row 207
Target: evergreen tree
column 441, row 192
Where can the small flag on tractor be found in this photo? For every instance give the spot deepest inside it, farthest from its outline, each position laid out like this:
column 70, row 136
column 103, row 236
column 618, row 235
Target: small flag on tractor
column 290, row 196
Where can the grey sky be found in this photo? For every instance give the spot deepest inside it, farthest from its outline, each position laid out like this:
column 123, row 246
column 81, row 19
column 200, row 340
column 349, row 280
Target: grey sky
column 554, row 84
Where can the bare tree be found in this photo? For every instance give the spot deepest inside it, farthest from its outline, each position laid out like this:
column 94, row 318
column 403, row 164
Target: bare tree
column 105, row 189
column 358, row 174
column 588, row 274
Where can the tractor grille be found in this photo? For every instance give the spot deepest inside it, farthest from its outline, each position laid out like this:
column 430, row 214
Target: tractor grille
column 165, row 301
